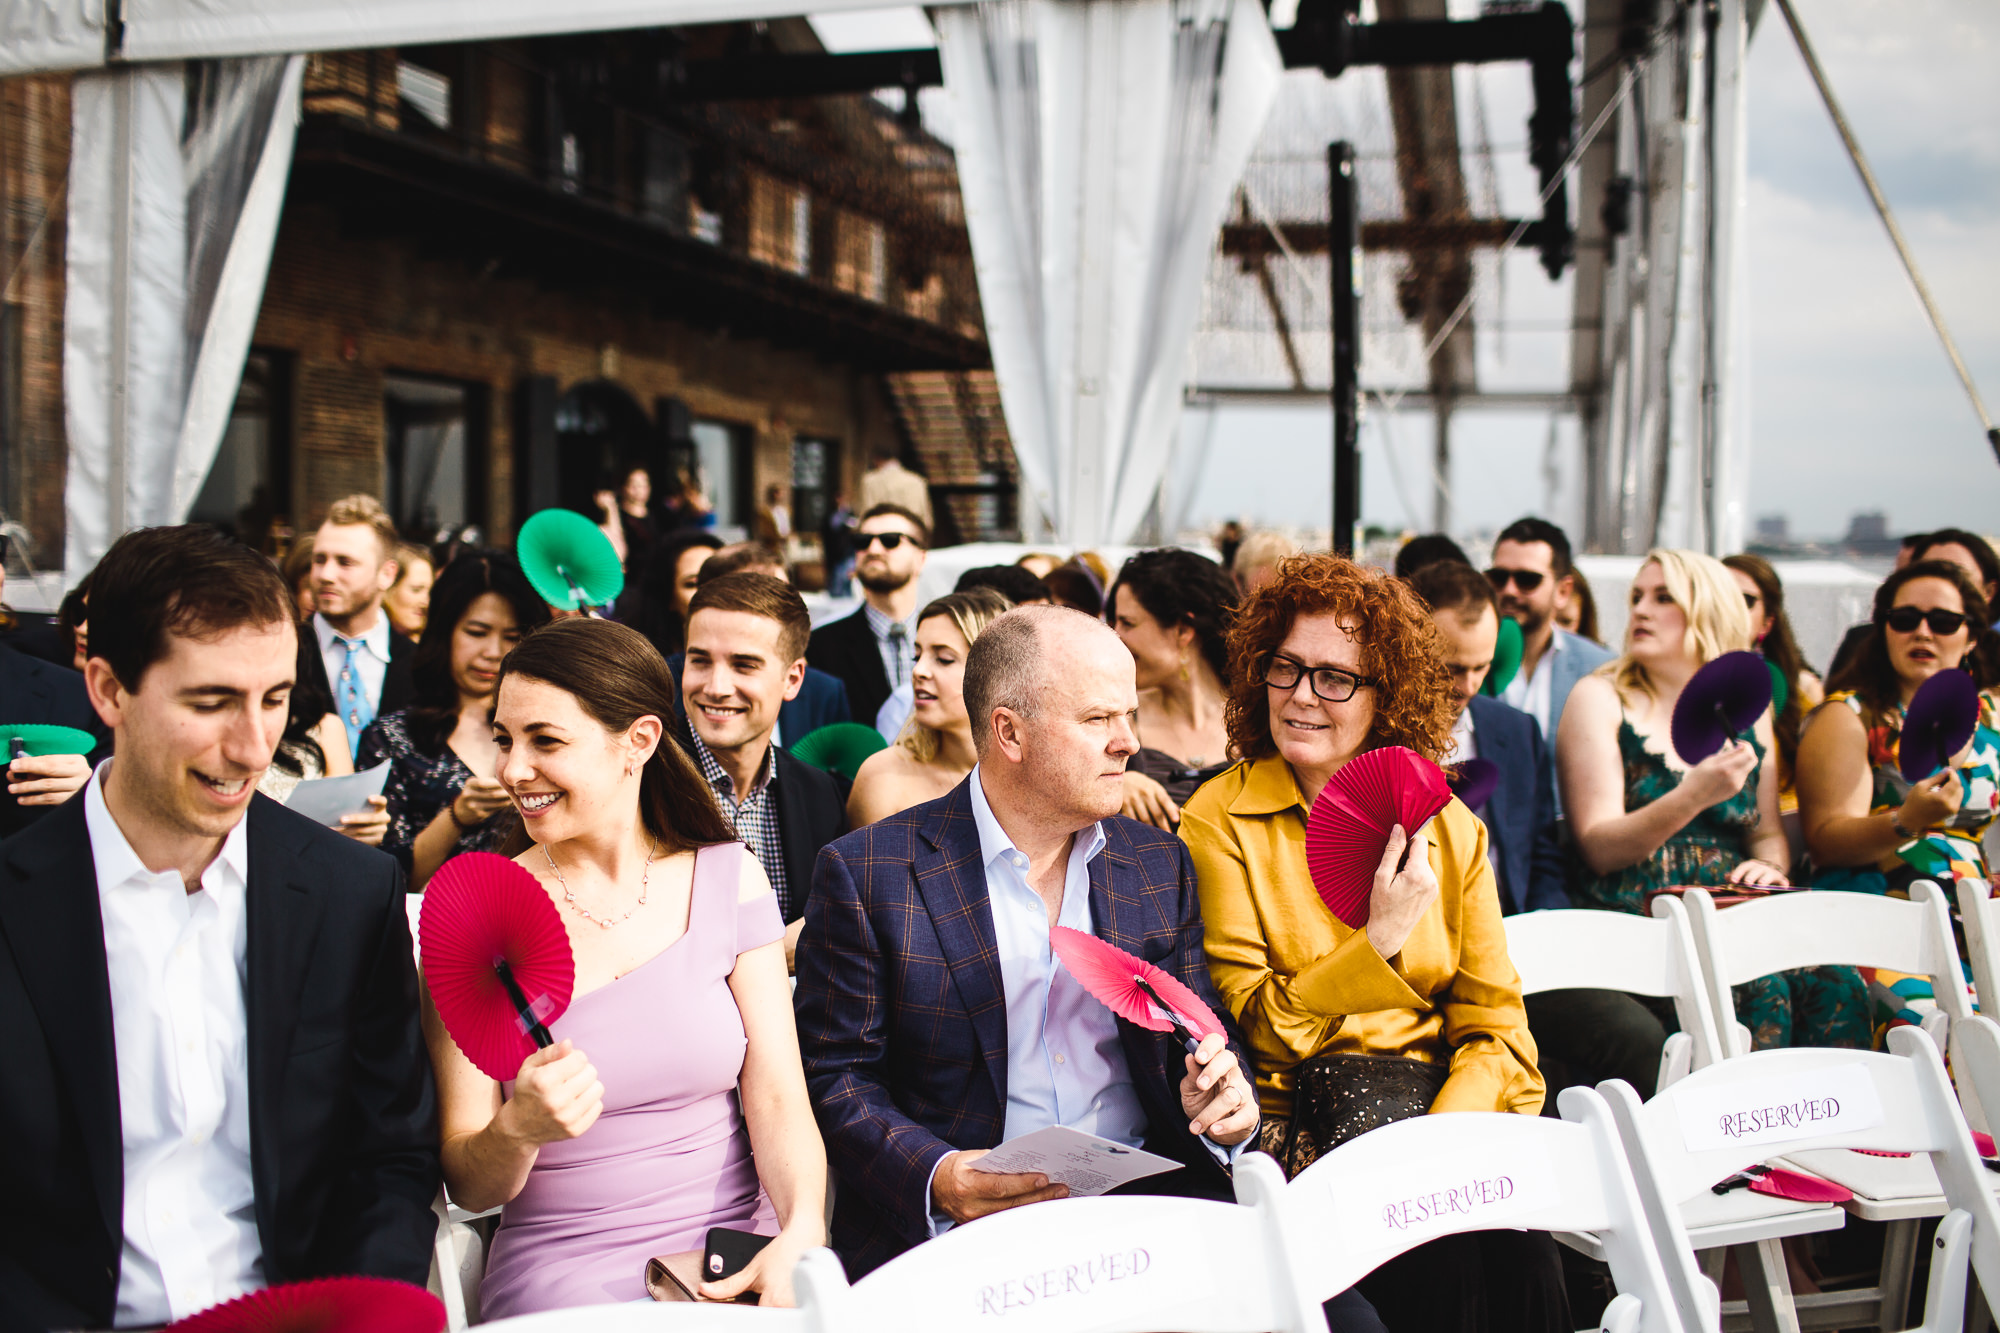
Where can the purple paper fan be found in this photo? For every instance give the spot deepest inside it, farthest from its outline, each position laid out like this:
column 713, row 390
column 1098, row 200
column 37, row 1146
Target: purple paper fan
column 1721, row 703
column 1473, row 781
column 1938, row 723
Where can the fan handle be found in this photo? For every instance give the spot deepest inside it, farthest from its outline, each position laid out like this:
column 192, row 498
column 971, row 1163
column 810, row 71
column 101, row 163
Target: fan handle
column 579, row 599
column 1185, row 1037
column 522, row 1008
column 17, row 748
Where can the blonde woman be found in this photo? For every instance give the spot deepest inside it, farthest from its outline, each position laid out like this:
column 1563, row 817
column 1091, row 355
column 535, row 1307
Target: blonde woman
column 934, row 751
column 1643, row 820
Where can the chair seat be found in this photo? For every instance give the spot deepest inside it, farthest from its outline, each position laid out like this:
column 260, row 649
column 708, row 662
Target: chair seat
column 1886, row 1189
column 1716, row 1221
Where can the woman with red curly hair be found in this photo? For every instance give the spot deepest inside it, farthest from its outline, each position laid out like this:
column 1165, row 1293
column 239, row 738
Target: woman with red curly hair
column 1419, row 1009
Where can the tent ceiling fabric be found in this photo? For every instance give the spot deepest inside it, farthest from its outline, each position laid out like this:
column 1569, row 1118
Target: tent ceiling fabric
column 1099, row 145
column 38, row 35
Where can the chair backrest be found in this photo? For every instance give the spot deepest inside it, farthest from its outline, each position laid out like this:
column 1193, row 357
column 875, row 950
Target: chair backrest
column 1105, row 1265
column 1399, row 1186
column 1979, row 912
column 1747, row 1109
column 1654, row 955
column 1819, row 928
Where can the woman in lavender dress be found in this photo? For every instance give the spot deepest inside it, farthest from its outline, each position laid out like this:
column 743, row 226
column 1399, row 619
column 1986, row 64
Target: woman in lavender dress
column 673, row 1100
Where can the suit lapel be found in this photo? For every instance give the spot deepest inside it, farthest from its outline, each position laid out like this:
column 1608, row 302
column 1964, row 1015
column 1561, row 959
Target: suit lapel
column 952, row 881
column 284, row 915
column 794, row 828
column 54, row 930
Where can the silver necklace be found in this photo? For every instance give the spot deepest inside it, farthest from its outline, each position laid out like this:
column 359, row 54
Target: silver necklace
column 645, row 875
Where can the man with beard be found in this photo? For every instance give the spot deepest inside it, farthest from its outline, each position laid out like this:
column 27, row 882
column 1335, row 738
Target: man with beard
column 870, row 650
column 366, row 662
column 1533, row 577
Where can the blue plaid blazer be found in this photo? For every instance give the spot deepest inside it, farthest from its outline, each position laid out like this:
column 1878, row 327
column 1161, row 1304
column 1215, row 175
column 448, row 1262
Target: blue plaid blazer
column 903, row 1018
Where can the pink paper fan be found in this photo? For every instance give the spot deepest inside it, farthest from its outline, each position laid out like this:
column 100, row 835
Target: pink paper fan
column 1779, row 1183
column 325, row 1305
column 1120, row 981
column 481, row 911
column 1351, row 819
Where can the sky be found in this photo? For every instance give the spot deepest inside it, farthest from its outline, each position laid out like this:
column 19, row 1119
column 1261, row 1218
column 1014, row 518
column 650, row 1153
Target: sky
column 1853, row 405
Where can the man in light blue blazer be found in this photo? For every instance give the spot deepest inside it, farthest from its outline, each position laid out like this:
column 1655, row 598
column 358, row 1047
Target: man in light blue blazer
column 1534, row 578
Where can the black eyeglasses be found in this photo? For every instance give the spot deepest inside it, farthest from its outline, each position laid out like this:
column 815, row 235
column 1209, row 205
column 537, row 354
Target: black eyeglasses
column 1944, row 624
column 890, row 540
column 1329, row 683
column 1527, row 580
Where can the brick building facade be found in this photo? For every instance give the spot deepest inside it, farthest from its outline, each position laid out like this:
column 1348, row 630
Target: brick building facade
column 505, row 268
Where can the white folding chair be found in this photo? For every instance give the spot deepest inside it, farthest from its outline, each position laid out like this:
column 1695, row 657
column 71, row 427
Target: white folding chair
column 1579, row 949
column 1127, row 1264
column 1399, row 1186
column 658, row 1317
column 1737, row 1113
column 1809, row 929
column 1979, row 913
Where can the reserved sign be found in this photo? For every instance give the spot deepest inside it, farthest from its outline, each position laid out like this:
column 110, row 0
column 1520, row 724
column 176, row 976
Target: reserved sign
column 1783, row 1109
column 1405, row 1204
column 1088, row 1284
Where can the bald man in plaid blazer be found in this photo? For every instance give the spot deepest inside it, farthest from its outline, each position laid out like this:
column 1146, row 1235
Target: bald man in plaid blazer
column 927, row 933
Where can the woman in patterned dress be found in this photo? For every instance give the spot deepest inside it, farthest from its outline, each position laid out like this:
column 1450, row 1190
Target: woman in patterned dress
column 1643, row 820
column 1868, row 828
column 442, row 795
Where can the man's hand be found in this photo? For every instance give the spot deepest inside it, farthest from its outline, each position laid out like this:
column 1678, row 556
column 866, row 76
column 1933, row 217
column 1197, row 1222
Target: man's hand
column 370, row 826
column 1218, row 1099
column 50, row 779
column 963, row 1194
column 1400, row 897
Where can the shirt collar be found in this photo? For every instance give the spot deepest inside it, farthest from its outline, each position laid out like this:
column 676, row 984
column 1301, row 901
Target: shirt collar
column 117, row 864
column 375, row 639
column 880, row 621
column 718, row 777
column 994, row 842
column 1268, row 787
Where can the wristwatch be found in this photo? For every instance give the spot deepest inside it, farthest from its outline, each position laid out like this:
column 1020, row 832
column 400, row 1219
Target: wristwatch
column 1896, row 825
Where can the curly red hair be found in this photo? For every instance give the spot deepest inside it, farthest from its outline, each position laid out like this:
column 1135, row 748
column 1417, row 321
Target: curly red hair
column 1400, row 650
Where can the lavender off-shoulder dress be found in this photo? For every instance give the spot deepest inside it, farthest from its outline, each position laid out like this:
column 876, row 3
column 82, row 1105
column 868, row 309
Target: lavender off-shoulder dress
column 670, row 1156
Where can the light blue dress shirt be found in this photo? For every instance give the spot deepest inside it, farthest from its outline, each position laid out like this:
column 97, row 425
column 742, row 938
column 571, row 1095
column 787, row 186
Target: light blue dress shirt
column 1065, row 1059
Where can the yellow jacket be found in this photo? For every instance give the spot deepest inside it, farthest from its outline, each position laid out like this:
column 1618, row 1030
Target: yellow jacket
column 1302, row 983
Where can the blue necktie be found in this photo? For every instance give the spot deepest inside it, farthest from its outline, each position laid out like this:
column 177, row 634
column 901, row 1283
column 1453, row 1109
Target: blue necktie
column 349, row 699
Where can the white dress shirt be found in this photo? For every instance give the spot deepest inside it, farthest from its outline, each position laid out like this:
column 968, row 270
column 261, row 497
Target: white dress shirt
column 1464, row 743
column 176, row 965
column 1531, row 691
column 371, row 662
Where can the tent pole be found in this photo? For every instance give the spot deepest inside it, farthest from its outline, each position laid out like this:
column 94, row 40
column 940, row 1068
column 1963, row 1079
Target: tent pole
column 1342, row 251
column 119, row 423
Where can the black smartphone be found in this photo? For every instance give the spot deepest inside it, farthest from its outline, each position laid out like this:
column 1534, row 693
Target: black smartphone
column 726, row 1252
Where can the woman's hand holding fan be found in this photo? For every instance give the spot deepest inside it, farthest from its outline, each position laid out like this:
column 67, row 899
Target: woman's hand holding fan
column 1400, row 897
column 557, row 1096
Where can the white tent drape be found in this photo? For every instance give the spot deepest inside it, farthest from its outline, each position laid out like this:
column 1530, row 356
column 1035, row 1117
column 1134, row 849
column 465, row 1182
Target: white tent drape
column 1098, row 145
column 177, row 175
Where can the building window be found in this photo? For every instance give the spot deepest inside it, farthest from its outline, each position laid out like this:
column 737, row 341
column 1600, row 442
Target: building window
column 814, row 467
column 424, row 91
column 861, row 256
column 434, row 434
column 780, row 224
column 245, row 492
column 722, row 470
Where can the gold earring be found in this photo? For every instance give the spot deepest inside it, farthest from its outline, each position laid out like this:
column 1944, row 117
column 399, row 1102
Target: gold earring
column 1184, row 668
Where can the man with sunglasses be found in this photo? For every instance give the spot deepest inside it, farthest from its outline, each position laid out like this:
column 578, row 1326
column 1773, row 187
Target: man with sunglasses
column 870, row 651
column 1533, row 578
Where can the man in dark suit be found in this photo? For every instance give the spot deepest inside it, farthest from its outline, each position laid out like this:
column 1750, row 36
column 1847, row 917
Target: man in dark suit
column 746, row 638
column 36, row 691
column 931, row 1021
column 870, row 651
column 366, row 663
column 1584, row 1036
column 217, row 1081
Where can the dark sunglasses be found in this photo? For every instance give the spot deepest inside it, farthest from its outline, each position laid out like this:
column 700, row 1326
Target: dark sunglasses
column 1944, row 624
column 1329, row 683
column 890, row 540
column 1527, row 580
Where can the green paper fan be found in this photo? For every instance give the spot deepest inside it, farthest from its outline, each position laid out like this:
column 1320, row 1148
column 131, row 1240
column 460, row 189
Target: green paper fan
column 839, row 748
column 1506, row 657
column 569, row 560
column 41, row 740
column 1781, row 693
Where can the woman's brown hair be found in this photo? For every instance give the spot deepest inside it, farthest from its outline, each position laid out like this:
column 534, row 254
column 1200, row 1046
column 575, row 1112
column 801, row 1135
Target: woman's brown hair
column 617, row 677
column 1400, row 651
column 1873, row 677
column 1780, row 647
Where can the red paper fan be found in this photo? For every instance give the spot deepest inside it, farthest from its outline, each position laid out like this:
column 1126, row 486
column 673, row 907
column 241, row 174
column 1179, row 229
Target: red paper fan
column 325, row 1305
column 1350, row 822
column 481, row 911
column 1121, row 982
column 1779, row 1183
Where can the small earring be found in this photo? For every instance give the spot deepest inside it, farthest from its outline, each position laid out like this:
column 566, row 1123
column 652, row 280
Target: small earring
column 1184, row 668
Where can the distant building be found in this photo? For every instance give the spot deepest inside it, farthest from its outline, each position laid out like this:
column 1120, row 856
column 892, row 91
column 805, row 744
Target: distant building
column 1774, row 528
column 1868, row 534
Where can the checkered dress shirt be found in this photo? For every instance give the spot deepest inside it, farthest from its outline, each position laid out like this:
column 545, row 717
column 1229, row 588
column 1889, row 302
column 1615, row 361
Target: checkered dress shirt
column 755, row 816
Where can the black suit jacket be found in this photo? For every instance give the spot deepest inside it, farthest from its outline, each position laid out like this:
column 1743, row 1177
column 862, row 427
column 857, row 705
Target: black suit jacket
column 32, row 690
column 903, row 1013
column 399, row 686
column 846, row 648
column 1521, row 814
column 812, row 812
column 343, row 1112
